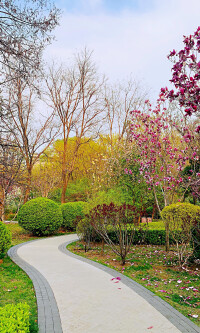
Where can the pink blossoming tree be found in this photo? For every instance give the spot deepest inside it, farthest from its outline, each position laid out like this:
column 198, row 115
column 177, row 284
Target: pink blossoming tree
column 163, row 153
column 186, row 76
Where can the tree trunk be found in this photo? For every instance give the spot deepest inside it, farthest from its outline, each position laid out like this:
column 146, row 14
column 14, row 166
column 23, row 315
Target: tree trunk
column 66, row 178
column 154, row 210
column 64, row 171
column 64, row 187
column 167, row 237
column 28, row 186
column 67, row 174
column 123, row 258
column 2, row 206
column 102, row 246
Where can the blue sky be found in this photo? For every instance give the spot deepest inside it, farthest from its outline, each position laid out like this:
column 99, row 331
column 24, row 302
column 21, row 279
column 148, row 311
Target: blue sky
column 110, row 6
column 128, row 37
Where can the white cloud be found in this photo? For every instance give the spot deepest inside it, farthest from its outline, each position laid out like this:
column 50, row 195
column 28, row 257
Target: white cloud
column 129, row 42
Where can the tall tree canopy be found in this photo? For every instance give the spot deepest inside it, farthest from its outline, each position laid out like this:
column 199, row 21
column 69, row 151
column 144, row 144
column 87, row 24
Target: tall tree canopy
column 25, row 29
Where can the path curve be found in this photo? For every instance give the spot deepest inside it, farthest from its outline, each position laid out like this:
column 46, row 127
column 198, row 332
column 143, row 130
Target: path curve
column 80, row 296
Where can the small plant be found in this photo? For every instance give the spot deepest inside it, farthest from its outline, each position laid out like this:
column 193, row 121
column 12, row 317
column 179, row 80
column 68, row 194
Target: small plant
column 40, row 216
column 14, row 318
column 122, row 220
column 5, row 239
column 85, row 231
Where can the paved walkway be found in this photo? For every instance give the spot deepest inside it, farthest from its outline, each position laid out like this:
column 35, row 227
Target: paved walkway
column 86, row 299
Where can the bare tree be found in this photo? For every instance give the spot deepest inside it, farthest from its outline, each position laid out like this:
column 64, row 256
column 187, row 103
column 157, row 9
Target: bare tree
column 76, row 97
column 25, row 29
column 45, row 177
column 11, row 170
column 30, row 136
column 120, row 100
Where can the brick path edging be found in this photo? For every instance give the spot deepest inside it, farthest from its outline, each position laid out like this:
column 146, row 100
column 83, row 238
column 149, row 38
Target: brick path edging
column 48, row 313
column 175, row 317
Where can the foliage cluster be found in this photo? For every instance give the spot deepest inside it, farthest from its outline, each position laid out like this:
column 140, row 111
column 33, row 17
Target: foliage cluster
column 145, row 236
column 71, row 212
column 14, row 318
column 180, row 219
column 155, row 225
column 5, row 239
column 118, row 225
column 122, row 220
column 40, row 216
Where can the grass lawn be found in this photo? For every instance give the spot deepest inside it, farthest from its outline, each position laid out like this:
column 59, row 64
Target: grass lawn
column 156, row 270
column 15, row 285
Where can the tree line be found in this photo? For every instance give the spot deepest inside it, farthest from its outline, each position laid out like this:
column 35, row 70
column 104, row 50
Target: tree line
column 65, row 122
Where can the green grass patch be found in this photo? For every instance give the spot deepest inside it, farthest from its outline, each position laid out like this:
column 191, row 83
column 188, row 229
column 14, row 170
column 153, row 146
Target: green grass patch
column 15, row 285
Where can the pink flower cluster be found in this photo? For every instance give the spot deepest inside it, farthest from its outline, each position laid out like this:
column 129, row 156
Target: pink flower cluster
column 160, row 162
column 186, row 76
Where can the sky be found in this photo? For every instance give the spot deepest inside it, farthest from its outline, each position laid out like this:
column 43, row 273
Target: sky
column 127, row 37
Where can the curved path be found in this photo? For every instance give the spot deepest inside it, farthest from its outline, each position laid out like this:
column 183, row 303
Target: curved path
column 76, row 295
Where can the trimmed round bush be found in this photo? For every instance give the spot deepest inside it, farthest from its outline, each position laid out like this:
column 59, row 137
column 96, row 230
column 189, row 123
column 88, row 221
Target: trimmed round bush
column 179, row 219
column 70, row 212
column 5, row 239
column 181, row 216
column 40, row 216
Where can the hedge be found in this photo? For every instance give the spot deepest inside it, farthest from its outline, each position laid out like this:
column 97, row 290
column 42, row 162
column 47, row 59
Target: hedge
column 70, row 212
column 149, row 237
column 41, row 216
column 158, row 225
column 14, row 318
column 5, row 239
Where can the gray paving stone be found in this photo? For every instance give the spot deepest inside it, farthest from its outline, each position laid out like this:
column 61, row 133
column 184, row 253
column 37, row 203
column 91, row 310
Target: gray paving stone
column 176, row 318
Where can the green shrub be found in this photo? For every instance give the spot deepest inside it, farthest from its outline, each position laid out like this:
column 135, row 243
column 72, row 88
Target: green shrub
column 115, row 195
column 5, row 239
column 14, row 318
column 78, row 191
column 85, row 232
column 179, row 220
column 149, row 211
column 180, row 215
column 41, row 216
column 70, row 212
